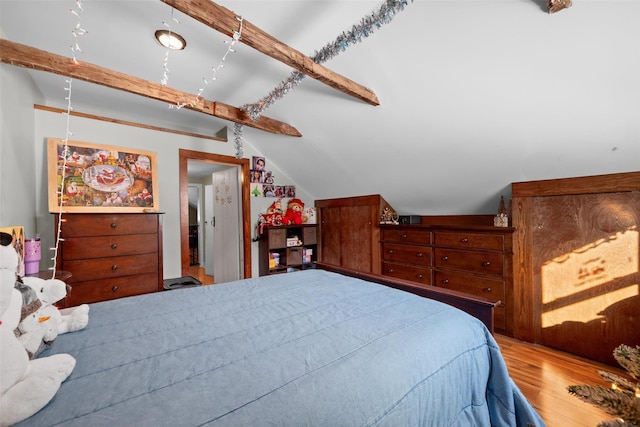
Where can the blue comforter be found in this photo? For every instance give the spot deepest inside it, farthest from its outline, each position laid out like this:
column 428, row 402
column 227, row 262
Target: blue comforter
column 311, row 348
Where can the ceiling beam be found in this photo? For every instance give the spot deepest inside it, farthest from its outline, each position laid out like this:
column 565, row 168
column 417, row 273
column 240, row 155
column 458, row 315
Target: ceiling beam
column 224, row 21
column 29, row 57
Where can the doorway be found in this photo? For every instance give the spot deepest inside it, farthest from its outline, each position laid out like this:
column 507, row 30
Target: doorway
column 184, row 157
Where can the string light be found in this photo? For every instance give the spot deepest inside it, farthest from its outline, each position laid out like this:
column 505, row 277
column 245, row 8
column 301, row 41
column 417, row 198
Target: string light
column 367, row 26
column 236, row 35
column 165, row 64
column 77, row 32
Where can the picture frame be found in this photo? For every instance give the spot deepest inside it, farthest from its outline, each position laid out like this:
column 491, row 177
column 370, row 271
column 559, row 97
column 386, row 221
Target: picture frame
column 101, row 178
column 259, row 163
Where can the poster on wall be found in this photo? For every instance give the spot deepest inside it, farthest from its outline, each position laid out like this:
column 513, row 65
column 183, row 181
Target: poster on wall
column 86, row 177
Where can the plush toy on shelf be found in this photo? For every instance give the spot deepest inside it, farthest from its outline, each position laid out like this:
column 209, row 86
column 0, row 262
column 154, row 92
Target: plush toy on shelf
column 26, row 386
column 294, row 213
column 273, row 217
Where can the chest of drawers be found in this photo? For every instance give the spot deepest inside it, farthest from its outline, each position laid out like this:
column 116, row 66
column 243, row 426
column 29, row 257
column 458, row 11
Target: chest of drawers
column 110, row 256
column 472, row 259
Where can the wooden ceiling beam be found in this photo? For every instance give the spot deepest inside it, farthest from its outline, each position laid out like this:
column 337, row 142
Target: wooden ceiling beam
column 29, row 57
column 224, row 21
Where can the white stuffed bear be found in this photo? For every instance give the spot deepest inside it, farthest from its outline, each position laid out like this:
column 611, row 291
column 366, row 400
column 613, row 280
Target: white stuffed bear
column 52, row 320
column 26, row 386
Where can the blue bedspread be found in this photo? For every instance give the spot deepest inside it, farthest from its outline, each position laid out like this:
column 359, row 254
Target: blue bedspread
column 311, row 348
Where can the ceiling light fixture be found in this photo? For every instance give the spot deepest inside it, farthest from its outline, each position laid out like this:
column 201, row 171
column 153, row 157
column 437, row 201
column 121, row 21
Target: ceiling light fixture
column 170, row 39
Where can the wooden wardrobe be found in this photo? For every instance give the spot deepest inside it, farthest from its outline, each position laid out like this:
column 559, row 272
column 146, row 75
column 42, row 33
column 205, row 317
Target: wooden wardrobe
column 576, row 263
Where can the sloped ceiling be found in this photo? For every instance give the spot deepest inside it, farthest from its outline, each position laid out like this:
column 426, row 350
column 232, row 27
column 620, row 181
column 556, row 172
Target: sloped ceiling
column 474, row 94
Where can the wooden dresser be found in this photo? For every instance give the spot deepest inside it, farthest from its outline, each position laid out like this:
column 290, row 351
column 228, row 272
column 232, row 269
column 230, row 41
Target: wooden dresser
column 472, row 259
column 110, row 255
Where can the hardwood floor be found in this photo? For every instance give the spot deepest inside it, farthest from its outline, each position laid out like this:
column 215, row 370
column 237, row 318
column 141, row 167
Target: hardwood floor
column 543, row 374
column 199, row 273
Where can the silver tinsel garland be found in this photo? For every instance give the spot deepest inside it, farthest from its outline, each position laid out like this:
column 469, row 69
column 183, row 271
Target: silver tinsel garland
column 367, row 26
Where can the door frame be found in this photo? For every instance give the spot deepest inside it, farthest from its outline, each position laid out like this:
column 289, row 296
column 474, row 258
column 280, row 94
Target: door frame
column 245, row 190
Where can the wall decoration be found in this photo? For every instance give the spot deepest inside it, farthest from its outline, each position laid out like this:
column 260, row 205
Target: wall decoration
column 258, row 163
column 257, row 176
column 100, row 178
column 15, row 238
column 256, row 190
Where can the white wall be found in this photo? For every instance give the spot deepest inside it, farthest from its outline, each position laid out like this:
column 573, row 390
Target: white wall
column 17, row 162
column 23, row 164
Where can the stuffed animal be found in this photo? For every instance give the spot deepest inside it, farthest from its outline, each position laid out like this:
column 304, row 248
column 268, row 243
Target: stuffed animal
column 29, row 331
column 294, row 212
column 273, row 217
column 26, row 386
column 49, row 318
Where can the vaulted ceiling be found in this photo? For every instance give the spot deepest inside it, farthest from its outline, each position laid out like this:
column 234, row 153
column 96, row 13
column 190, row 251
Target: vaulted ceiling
column 473, row 94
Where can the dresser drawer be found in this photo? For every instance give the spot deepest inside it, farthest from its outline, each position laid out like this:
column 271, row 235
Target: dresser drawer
column 478, row 262
column 469, row 240
column 480, row 286
column 407, row 272
column 411, row 254
column 108, row 246
column 407, row 236
column 109, row 224
column 107, row 289
column 103, row 268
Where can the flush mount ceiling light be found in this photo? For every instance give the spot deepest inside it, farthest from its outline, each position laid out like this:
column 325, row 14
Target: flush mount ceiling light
column 170, row 39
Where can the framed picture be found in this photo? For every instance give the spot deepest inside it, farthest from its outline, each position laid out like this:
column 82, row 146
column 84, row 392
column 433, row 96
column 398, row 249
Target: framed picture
column 87, row 177
column 257, row 176
column 16, row 241
column 258, row 163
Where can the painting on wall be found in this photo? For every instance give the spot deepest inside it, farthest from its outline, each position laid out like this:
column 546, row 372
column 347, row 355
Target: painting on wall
column 86, row 177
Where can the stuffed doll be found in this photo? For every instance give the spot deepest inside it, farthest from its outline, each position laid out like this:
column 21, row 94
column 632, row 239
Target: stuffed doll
column 52, row 320
column 273, row 217
column 26, row 386
column 29, row 332
column 294, row 212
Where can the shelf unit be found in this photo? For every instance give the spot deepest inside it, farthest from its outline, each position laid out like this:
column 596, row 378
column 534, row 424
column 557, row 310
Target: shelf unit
column 288, row 248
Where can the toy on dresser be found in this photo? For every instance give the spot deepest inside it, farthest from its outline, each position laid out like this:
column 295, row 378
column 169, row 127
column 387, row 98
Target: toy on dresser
column 26, row 386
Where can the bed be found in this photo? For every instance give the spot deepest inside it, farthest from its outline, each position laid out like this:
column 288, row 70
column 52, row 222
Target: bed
column 311, row 348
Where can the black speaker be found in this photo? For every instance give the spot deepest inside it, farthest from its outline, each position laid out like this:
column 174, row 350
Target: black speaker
column 409, row 219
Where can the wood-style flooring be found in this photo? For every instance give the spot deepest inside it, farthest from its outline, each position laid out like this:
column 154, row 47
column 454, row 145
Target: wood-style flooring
column 543, row 374
column 198, row 272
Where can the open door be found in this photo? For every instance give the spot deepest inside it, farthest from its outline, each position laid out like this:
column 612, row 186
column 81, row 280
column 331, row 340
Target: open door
column 242, row 167
column 226, row 221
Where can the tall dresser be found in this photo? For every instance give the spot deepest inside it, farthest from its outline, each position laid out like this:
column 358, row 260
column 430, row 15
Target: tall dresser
column 110, row 255
column 472, row 259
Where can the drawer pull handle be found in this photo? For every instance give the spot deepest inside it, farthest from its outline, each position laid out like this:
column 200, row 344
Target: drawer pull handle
column 487, row 289
column 419, row 254
column 486, row 263
column 445, row 282
column 114, row 267
column 419, row 276
column 390, row 252
column 404, row 236
column 114, row 246
column 464, row 240
column 390, row 270
column 113, row 225
column 445, row 258
column 114, row 289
